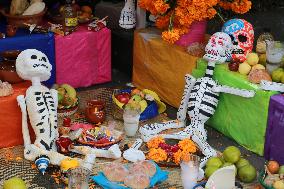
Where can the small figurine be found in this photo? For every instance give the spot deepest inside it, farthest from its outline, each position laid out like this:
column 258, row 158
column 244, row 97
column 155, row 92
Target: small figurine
column 42, row 163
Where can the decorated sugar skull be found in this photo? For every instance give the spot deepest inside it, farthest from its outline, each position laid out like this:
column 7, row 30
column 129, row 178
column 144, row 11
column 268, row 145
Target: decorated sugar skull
column 33, row 63
column 219, row 47
column 242, row 35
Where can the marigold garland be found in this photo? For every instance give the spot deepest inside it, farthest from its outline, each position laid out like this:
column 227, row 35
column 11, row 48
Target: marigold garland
column 176, row 16
column 157, row 154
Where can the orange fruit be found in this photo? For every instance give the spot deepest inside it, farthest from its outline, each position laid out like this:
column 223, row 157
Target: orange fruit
column 273, row 166
column 87, row 9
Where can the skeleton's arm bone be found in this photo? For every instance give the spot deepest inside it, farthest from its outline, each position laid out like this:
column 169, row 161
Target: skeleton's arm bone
column 189, row 83
column 155, row 128
column 271, row 86
column 25, row 129
column 234, row 91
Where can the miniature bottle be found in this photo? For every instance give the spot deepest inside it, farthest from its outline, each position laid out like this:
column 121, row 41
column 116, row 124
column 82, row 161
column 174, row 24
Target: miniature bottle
column 70, row 18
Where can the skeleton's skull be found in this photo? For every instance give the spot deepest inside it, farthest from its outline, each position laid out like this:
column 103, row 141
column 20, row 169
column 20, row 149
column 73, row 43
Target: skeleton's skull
column 242, row 35
column 218, row 48
column 33, row 63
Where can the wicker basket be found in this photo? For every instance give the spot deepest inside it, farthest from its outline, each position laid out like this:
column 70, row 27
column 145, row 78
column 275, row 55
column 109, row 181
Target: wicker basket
column 20, row 21
column 117, row 112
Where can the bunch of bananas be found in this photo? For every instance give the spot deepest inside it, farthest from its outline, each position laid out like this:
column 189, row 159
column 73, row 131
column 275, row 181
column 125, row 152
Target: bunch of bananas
column 67, row 96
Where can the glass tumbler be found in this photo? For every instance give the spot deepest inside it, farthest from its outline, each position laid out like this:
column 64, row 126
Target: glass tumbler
column 189, row 171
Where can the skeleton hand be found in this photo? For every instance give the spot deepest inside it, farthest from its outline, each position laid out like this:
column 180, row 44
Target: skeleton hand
column 271, row 86
column 22, row 102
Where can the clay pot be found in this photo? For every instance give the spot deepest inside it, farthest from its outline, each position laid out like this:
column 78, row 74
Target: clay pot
column 7, row 67
column 95, row 111
column 11, row 30
column 8, row 72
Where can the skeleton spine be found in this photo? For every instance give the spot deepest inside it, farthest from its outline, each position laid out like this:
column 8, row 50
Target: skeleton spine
column 210, row 69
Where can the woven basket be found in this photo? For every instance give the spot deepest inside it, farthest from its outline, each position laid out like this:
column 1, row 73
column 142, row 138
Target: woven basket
column 117, row 112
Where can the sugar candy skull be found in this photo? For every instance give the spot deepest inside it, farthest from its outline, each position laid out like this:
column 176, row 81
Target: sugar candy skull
column 219, row 47
column 242, row 35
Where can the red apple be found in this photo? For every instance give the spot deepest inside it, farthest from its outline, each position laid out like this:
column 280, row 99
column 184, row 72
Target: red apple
column 234, row 65
column 63, row 144
column 67, row 122
column 123, row 97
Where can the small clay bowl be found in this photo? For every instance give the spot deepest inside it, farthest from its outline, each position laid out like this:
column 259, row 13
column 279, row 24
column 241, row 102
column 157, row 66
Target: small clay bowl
column 10, row 55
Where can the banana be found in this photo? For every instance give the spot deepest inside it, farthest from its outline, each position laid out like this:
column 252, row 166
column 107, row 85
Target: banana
column 70, row 90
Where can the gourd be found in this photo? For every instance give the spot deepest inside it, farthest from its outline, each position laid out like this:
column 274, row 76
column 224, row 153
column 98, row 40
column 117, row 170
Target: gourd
column 35, row 8
column 18, row 7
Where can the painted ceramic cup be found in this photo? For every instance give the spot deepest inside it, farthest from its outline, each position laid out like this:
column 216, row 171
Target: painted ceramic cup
column 95, row 111
column 11, row 30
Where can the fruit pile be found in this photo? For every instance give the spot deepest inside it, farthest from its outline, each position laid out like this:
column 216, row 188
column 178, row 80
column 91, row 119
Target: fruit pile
column 145, row 101
column 232, row 156
column 254, row 67
column 275, row 177
column 67, row 96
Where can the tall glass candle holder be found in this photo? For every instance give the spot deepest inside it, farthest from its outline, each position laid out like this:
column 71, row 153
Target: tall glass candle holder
column 78, row 178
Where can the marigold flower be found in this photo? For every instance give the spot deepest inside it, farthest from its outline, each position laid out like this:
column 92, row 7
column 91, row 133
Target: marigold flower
column 241, row 6
column 171, row 36
column 154, row 142
column 187, row 145
column 157, row 155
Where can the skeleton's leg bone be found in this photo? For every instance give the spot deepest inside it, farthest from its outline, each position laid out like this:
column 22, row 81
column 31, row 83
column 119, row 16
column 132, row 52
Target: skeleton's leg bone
column 25, row 129
column 189, row 83
column 150, row 129
column 234, row 91
column 271, row 86
column 113, row 152
column 206, row 149
column 32, row 152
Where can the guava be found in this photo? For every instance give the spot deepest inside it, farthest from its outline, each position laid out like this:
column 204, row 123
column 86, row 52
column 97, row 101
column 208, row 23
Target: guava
column 214, row 162
column 247, row 173
column 281, row 169
column 210, row 170
column 244, row 68
column 277, row 74
column 242, row 162
column 279, row 184
column 252, row 59
column 232, row 154
column 14, row 183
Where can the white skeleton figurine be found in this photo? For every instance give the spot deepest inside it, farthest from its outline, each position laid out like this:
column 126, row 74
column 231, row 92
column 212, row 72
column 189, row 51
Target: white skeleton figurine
column 40, row 104
column 199, row 100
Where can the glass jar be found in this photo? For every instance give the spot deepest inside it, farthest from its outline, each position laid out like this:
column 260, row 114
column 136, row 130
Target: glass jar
column 190, row 171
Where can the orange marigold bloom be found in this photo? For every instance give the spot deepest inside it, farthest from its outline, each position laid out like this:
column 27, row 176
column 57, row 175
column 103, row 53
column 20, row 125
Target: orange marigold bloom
column 162, row 22
column 171, row 36
column 187, row 145
column 157, row 155
column 241, row 6
column 211, row 13
column 154, row 142
column 225, row 5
